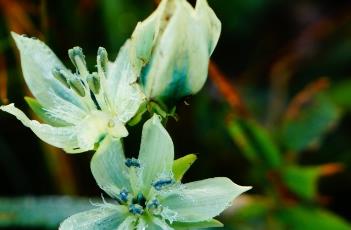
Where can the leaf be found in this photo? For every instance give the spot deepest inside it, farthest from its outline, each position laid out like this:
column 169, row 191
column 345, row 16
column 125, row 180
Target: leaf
column 181, row 165
column 340, row 93
column 310, row 124
column 302, row 218
column 255, row 142
column 40, row 212
column 212, row 223
column 302, row 180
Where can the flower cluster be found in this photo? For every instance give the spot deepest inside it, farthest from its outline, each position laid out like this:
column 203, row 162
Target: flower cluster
column 89, row 109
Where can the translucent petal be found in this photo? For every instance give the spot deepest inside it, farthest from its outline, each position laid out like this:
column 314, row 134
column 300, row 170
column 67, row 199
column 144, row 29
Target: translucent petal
column 38, row 62
column 156, row 151
column 210, row 23
column 203, row 200
column 179, row 63
column 99, row 218
column 95, row 126
column 128, row 223
column 61, row 137
column 145, row 35
column 123, row 92
column 108, row 167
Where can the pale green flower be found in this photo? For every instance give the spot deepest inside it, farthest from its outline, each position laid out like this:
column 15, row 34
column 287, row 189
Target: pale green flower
column 173, row 47
column 83, row 107
column 147, row 191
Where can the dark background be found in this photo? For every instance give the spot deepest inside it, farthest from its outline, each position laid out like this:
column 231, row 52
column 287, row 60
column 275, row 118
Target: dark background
column 268, row 51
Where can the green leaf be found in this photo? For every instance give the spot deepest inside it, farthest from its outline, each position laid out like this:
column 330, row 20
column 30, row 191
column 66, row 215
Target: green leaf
column 340, row 93
column 181, row 165
column 212, row 223
column 255, row 142
column 253, row 210
column 302, row 180
column 39, row 110
column 302, row 218
column 310, row 125
column 40, row 212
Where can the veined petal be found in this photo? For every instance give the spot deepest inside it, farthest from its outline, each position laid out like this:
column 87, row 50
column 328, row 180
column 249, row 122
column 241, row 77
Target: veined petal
column 124, row 94
column 179, row 63
column 61, row 137
column 108, row 167
column 38, row 62
column 128, row 223
column 156, row 152
column 202, row 200
column 99, row 218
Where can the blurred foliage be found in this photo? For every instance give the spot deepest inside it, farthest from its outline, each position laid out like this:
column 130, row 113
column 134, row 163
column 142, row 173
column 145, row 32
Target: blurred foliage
column 275, row 113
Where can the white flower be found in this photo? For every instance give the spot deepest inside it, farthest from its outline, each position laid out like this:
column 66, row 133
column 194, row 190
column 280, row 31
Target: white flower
column 147, row 191
column 173, row 47
column 81, row 108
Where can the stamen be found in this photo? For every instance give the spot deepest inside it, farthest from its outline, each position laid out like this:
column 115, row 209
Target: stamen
column 77, row 85
column 154, row 204
column 158, row 185
column 132, row 162
column 136, row 209
column 78, row 59
column 123, row 195
column 102, row 58
column 94, row 82
column 60, row 76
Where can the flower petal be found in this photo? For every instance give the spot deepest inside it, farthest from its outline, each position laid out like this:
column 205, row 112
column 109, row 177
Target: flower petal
column 124, row 94
column 146, row 34
column 38, row 62
column 202, row 200
column 156, row 151
column 99, row 218
column 210, row 23
column 128, row 223
column 108, row 167
column 95, row 127
column 61, row 137
column 179, row 64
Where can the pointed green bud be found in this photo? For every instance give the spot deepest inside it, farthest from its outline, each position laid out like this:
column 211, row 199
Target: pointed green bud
column 77, row 85
column 94, row 82
column 78, row 59
column 60, row 75
column 102, row 58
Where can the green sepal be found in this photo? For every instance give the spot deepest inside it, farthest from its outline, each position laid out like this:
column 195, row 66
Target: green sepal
column 139, row 115
column 181, row 165
column 39, row 110
column 212, row 223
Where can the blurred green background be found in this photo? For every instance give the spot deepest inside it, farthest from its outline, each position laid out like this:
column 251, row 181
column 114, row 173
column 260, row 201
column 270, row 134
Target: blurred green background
column 274, row 114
